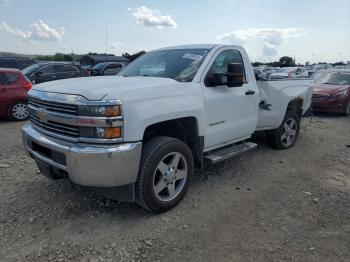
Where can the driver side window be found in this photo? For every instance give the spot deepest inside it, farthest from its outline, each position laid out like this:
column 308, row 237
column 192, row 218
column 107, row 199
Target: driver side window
column 48, row 69
column 220, row 64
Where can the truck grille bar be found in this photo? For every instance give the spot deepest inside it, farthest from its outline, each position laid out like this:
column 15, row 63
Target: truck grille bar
column 63, row 129
column 60, row 116
column 54, row 106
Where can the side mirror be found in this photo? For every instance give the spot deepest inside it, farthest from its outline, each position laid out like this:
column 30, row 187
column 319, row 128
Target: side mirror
column 235, row 75
column 215, row 79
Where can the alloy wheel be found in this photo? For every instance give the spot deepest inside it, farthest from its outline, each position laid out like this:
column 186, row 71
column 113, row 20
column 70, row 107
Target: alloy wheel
column 20, row 111
column 170, row 176
column 289, row 132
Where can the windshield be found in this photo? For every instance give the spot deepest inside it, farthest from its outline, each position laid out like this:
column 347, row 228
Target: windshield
column 31, row 69
column 333, row 78
column 99, row 66
column 178, row 64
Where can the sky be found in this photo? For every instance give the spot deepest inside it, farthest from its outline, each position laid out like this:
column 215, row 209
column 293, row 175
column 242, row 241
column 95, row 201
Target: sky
column 308, row 30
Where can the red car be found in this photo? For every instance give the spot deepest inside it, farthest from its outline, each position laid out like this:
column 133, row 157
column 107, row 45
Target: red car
column 331, row 92
column 14, row 87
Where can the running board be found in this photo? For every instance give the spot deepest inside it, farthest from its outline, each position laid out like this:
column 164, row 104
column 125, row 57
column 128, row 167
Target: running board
column 228, row 152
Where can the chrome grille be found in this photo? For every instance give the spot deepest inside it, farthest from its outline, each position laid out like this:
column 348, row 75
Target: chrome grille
column 319, row 97
column 59, row 128
column 54, row 106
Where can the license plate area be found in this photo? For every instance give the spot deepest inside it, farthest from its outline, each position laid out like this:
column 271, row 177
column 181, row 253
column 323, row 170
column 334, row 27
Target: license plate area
column 51, row 172
column 55, row 156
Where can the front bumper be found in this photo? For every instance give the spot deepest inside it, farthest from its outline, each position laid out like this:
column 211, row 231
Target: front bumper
column 334, row 106
column 84, row 164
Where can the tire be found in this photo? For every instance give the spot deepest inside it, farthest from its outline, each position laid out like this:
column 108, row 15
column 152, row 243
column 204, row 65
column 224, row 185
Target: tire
column 347, row 110
column 18, row 111
column 159, row 189
column 282, row 137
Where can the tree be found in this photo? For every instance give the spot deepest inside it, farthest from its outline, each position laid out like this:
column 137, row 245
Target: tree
column 286, row 61
column 257, row 63
column 339, row 64
column 133, row 56
column 55, row 57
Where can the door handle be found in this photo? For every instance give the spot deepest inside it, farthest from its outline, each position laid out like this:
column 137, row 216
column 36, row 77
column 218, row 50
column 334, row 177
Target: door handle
column 249, row 92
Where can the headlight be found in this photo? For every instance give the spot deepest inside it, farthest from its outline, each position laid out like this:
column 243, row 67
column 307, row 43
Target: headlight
column 101, row 121
column 105, row 111
column 111, row 108
column 340, row 94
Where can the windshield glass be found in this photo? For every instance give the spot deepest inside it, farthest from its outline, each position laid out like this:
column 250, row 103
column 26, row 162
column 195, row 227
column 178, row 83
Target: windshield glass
column 31, row 69
column 180, row 64
column 333, row 78
column 99, row 66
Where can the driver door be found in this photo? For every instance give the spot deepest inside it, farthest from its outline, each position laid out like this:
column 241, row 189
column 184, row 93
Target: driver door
column 231, row 112
column 45, row 74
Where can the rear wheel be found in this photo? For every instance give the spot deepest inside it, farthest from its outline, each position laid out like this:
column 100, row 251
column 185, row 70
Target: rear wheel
column 286, row 135
column 18, row 111
column 166, row 171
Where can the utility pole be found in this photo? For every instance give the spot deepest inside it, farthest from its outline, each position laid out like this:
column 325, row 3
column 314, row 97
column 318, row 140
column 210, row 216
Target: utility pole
column 106, row 40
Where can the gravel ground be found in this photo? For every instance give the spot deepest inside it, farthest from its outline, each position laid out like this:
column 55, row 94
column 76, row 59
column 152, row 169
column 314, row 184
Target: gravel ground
column 267, row 205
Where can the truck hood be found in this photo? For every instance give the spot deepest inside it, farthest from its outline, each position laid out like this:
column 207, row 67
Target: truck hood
column 97, row 88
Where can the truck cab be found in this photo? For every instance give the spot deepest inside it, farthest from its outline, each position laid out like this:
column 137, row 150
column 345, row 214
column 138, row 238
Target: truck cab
column 169, row 112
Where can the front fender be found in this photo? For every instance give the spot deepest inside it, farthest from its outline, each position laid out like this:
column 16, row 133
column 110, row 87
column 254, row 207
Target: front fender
column 138, row 115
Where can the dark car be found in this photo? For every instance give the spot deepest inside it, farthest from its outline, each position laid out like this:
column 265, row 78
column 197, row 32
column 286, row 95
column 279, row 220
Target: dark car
column 44, row 72
column 15, row 62
column 107, row 68
column 331, row 92
column 14, row 87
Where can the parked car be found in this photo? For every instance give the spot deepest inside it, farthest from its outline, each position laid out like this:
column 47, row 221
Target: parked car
column 15, row 62
column 47, row 71
column 14, row 87
column 290, row 72
column 139, row 137
column 106, row 68
column 331, row 91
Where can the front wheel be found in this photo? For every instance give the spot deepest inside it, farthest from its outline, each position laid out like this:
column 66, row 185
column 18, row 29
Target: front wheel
column 286, row 135
column 166, row 171
column 347, row 110
column 18, row 111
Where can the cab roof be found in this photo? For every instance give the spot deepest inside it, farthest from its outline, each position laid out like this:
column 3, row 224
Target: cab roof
column 197, row 46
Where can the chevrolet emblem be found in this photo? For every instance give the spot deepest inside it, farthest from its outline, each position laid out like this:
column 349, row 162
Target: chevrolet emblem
column 42, row 115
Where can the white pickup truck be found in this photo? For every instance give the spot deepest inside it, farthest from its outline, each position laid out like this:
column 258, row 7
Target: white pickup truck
column 139, row 136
